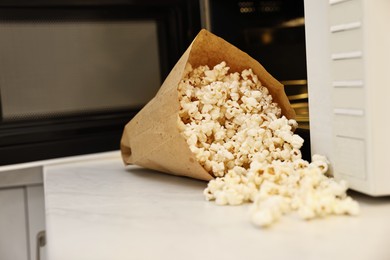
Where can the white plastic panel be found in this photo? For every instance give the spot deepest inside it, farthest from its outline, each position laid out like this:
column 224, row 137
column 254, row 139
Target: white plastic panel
column 377, row 43
column 347, row 69
column 357, row 43
column 349, row 125
column 318, row 74
column 348, row 97
column 345, row 41
column 345, row 12
column 350, row 157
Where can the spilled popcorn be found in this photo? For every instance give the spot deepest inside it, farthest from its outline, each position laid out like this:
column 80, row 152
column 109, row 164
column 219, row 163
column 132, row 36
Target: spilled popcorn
column 239, row 136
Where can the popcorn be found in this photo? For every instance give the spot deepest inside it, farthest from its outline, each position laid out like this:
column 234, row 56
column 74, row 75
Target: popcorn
column 239, row 136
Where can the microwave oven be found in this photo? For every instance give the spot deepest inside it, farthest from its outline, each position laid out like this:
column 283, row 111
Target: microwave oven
column 348, row 61
column 74, row 72
column 333, row 58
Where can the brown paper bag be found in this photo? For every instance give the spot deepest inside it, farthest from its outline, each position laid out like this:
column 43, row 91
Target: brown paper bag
column 152, row 138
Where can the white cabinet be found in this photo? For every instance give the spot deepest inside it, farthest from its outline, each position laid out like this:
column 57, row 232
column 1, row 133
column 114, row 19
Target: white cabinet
column 22, row 214
column 13, row 226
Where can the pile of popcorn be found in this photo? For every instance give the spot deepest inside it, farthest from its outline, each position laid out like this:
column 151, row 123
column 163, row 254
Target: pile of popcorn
column 240, row 137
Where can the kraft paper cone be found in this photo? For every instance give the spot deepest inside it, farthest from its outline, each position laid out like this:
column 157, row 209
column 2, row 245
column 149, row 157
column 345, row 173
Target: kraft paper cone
column 152, row 138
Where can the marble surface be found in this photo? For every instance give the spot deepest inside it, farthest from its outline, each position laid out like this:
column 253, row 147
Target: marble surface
column 98, row 209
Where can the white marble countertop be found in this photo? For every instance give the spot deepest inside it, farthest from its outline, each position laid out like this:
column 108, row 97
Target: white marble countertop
column 97, row 209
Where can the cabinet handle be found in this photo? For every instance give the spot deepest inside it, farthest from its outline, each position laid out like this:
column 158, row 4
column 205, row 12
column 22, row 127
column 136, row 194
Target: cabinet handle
column 41, row 242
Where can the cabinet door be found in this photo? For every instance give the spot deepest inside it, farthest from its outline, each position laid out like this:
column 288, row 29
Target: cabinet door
column 13, row 226
column 36, row 218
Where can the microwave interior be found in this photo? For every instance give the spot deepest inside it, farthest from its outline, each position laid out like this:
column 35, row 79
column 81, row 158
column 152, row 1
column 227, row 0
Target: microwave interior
column 273, row 32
